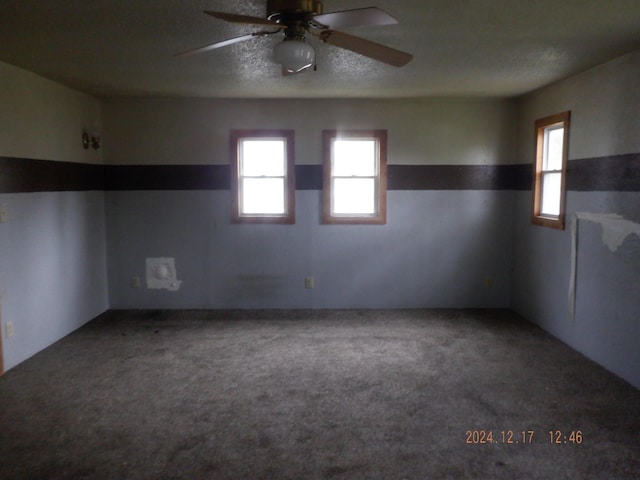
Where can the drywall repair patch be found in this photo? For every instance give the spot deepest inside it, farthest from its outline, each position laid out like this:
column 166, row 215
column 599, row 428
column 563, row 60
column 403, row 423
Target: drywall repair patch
column 615, row 230
column 161, row 274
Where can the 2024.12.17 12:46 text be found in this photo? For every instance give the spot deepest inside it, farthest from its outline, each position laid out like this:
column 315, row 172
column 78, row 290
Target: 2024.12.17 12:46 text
column 522, row 437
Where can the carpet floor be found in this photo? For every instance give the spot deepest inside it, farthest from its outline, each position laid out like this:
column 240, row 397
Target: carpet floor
column 393, row 395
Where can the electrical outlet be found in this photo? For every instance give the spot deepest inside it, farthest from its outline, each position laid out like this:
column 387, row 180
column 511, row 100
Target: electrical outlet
column 308, row 282
column 136, row 282
column 9, row 328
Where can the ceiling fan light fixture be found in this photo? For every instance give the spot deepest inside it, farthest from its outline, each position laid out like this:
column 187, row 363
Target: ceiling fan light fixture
column 294, row 54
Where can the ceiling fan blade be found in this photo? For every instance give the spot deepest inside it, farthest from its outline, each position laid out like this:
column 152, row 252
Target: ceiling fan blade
column 235, row 18
column 370, row 49
column 224, row 43
column 368, row 16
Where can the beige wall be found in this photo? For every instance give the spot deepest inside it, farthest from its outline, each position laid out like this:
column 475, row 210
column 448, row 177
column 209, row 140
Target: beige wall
column 44, row 120
column 604, row 104
column 421, row 131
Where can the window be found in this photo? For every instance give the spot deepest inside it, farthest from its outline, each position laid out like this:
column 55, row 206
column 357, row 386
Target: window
column 262, row 176
column 552, row 145
column 355, row 177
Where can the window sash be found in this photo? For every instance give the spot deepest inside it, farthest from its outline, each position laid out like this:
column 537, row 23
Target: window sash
column 342, row 201
column 347, row 157
column 553, row 148
column 263, row 171
column 550, row 170
column 262, row 192
column 551, row 193
column 254, row 151
column 368, row 176
column 263, row 196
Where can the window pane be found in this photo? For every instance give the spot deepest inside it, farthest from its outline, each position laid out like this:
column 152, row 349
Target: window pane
column 354, row 157
column 354, row 196
column 554, row 140
column 262, row 158
column 263, row 196
column 551, row 194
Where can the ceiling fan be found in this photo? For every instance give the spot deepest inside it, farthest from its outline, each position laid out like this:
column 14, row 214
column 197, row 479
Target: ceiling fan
column 296, row 18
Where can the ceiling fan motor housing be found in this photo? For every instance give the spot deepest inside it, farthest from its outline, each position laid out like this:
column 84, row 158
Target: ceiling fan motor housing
column 283, row 10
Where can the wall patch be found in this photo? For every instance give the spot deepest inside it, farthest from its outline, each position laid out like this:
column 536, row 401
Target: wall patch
column 615, row 230
column 161, row 274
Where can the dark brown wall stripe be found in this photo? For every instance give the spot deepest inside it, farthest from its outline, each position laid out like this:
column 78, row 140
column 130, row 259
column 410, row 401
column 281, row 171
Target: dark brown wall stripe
column 459, row 177
column 615, row 173
column 167, row 177
column 19, row 175
column 620, row 173
column 308, row 177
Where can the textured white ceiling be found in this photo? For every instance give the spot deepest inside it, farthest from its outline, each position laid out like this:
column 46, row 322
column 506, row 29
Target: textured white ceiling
column 461, row 47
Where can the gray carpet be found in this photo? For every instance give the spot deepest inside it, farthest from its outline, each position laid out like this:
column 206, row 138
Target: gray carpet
column 314, row 395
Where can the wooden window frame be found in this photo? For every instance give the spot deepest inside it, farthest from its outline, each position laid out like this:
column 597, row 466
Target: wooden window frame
column 537, row 218
column 380, row 217
column 289, row 217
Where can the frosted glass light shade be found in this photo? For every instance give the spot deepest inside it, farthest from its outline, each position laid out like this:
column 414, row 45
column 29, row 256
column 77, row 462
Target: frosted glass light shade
column 294, row 55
